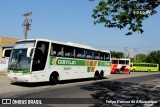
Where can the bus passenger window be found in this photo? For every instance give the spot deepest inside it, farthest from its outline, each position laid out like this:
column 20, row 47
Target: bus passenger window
column 69, row 51
column 127, row 62
column 107, row 57
column 114, row 61
column 79, row 55
column 89, row 54
column 96, row 56
column 53, row 52
column 102, row 56
column 79, row 52
column 60, row 52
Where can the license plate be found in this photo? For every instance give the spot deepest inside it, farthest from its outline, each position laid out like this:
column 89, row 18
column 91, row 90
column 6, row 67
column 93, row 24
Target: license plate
column 15, row 78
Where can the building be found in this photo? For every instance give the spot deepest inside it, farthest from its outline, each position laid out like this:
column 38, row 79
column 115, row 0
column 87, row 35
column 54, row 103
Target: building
column 6, row 43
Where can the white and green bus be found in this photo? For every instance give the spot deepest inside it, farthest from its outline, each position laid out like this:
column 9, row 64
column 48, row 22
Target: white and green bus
column 40, row 60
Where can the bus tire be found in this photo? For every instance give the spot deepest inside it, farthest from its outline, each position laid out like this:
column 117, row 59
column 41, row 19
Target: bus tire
column 116, row 71
column 54, row 78
column 102, row 75
column 96, row 75
column 149, row 70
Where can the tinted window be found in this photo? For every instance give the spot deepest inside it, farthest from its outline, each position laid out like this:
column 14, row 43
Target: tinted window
column 102, row 56
column 107, row 56
column 114, row 61
column 127, row 61
column 96, row 55
column 40, row 56
column 57, row 50
column 121, row 61
column 89, row 54
column 7, row 53
column 69, row 51
column 79, row 53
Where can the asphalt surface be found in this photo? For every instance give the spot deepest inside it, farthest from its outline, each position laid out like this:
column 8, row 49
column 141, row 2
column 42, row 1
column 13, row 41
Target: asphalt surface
column 89, row 92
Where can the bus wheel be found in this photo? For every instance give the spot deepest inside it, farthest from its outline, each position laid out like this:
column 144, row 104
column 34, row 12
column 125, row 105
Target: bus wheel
column 101, row 75
column 116, row 71
column 96, row 75
column 53, row 79
column 134, row 70
column 149, row 70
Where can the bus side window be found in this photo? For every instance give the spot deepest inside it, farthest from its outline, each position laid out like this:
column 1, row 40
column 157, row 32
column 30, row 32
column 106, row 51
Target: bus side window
column 102, row 56
column 83, row 53
column 107, row 57
column 69, row 51
column 79, row 52
column 89, row 54
column 127, row 61
column 96, row 55
column 60, row 51
column 57, row 50
column 114, row 61
column 53, row 52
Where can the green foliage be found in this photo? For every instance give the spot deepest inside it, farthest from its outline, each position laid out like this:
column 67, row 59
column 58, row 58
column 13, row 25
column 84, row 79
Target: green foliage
column 153, row 57
column 140, row 58
column 119, row 13
column 117, row 54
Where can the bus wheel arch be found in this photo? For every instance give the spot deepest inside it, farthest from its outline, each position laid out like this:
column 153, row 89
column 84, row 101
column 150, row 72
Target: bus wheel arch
column 149, row 70
column 116, row 71
column 134, row 70
column 54, row 78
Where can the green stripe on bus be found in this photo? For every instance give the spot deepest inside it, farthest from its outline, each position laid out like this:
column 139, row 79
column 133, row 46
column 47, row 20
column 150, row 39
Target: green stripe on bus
column 91, row 63
column 88, row 69
column 20, row 71
column 76, row 62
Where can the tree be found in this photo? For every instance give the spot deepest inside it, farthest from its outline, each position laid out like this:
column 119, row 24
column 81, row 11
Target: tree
column 124, row 13
column 140, row 58
column 117, row 54
column 153, row 57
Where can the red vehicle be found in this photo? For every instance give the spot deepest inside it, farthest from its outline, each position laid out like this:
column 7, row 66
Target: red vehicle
column 120, row 65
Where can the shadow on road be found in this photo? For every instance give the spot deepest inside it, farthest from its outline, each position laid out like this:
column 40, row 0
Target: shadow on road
column 23, row 84
column 47, row 83
column 123, row 91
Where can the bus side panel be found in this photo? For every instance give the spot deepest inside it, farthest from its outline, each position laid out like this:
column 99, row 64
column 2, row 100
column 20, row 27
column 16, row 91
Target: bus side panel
column 70, row 68
column 114, row 67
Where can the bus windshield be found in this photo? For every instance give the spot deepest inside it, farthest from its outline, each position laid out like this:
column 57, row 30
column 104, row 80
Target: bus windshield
column 24, row 44
column 19, row 60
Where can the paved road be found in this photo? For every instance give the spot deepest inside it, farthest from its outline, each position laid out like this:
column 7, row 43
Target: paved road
column 125, row 87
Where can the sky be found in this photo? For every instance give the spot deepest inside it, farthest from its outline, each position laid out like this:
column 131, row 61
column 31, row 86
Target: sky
column 71, row 21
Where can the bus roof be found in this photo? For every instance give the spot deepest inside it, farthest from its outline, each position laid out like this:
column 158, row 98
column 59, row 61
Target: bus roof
column 141, row 63
column 67, row 43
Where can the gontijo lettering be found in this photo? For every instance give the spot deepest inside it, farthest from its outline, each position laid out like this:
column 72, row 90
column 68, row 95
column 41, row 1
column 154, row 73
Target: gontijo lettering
column 70, row 62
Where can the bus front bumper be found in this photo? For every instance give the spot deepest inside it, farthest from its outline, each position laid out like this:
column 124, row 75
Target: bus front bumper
column 19, row 78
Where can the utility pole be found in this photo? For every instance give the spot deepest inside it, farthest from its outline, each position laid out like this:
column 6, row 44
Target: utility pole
column 135, row 52
column 27, row 23
column 125, row 49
